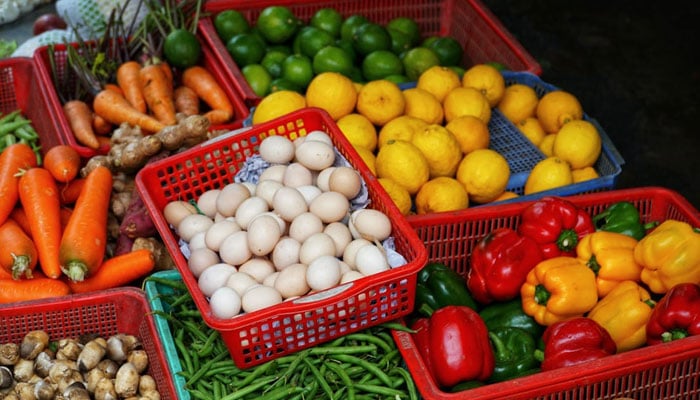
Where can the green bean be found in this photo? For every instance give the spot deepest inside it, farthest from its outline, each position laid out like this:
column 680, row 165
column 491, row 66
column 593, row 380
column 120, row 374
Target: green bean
column 201, row 370
column 198, row 394
column 366, row 365
column 243, row 391
column 10, row 116
column 382, row 390
column 319, row 377
column 11, row 127
column 322, row 350
column 281, row 393
column 259, row 371
column 410, row 384
column 371, row 338
column 343, row 377
column 184, row 354
column 208, row 346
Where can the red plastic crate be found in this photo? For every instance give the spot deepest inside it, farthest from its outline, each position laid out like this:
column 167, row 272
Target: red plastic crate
column 105, row 313
column 667, row 371
column 483, row 36
column 266, row 334
column 21, row 90
column 65, row 74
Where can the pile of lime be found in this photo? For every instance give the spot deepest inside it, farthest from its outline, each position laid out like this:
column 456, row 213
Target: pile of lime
column 279, row 51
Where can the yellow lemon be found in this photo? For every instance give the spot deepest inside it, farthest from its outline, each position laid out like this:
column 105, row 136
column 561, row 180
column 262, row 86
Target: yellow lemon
column 404, row 163
column 332, row 92
column 519, row 101
column 359, row 131
column 484, row 174
column 487, row 79
column 441, row 194
column 400, row 128
column 277, row 104
column 556, row 108
column 466, row 101
column 550, row 173
column 368, row 157
column 584, row 174
column 578, row 142
column 546, row 146
column 422, row 104
column 380, row 101
column 438, row 80
column 532, row 129
column 440, row 149
column 507, row 195
column 399, row 195
column 471, row 133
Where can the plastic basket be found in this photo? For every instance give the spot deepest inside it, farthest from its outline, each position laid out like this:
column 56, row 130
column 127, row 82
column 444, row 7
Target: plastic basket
column 483, row 36
column 269, row 333
column 65, row 74
column 667, row 371
column 21, row 90
column 105, row 313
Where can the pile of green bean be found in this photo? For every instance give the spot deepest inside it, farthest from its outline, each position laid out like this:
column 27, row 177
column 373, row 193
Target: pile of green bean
column 360, row 366
column 15, row 128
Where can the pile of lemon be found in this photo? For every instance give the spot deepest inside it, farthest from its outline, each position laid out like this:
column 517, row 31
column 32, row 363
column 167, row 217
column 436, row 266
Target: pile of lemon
column 429, row 145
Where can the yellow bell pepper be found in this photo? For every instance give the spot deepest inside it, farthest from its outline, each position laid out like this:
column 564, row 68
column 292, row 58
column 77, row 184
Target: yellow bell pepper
column 611, row 256
column 669, row 255
column 624, row 313
column 558, row 289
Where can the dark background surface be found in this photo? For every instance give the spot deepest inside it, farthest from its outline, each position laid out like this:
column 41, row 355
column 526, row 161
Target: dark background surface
column 631, row 64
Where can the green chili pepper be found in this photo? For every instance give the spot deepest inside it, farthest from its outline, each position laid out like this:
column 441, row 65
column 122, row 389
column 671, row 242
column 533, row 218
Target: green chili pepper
column 510, row 314
column 514, row 350
column 439, row 286
column 622, row 217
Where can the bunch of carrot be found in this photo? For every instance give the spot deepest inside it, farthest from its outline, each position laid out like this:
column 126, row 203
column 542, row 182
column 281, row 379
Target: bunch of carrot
column 148, row 96
column 53, row 228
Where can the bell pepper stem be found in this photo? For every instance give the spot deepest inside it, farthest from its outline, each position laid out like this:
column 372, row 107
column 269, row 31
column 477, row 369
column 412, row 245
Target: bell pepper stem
column 567, row 240
column 674, row 334
column 500, row 350
column 593, row 264
column 541, row 294
column 426, row 309
column 539, row 355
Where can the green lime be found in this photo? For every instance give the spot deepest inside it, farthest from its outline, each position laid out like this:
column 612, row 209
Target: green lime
column 347, row 46
column 182, row 48
column 397, row 79
column 356, row 74
column 408, row 27
column 370, row 37
column 332, row 59
column 246, row 48
column 499, row 66
column 230, row 23
column 347, row 28
column 313, row 39
column 427, row 42
column 298, row 70
column 283, row 84
column 282, row 48
column 327, row 19
column 258, row 78
column 272, row 61
column 448, row 50
column 417, row 60
column 459, row 70
column 296, row 42
column 380, row 64
column 400, row 42
column 277, row 24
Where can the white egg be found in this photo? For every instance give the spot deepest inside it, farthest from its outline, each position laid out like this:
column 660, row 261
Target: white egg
column 288, row 203
column 370, row 224
column 225, row 303
column 330, row 206
column 285, row 253
column 280, row 222
column 200, row 259
column 219, row 231
column 257, row 267
column 250, row 186
column 291, row 281
column 249, row 209
column 315, row 155
column 207, row 202
column 197, row 241
column 267, row 189
column 351, row 249
column 240, row 282
column 297, row 175
column 214, row 277
column 260, row 297
column 276, row 149
column 193, row 224
column 320, row 136
column 271, row 279
column 263, row 234
column 323, row 179
column 234, row 249
column 176, row 210
column 370, row 259
column 305, row 225
column 230, row 197
column 345, row 180
column 309, row 192
column 340, row 234
column 273, row 172
column 317, row 245
column 350, row 276
column 323, row 273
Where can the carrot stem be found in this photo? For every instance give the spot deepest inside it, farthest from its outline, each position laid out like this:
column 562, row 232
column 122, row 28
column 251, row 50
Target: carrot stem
column 117, row 271
column 18, row 254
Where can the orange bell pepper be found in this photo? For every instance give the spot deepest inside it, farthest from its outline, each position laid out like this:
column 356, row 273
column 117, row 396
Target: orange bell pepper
column 611, row 256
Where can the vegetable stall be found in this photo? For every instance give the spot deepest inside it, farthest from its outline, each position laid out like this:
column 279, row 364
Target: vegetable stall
column 205, row 200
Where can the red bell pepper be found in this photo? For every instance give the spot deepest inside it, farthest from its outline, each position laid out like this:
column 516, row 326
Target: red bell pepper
column 556, row 225
column 499, row 264
column 676, row 315
column 421, row 336
column 575, row 341
column 458, row 348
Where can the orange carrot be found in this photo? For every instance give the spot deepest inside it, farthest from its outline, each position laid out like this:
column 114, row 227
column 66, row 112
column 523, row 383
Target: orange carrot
column 38, row 287
column 65, row 216
column 117, row 271
column 105, row 142
column 84, row 239
column 115, row 109
column 157, row 91
column 41, row 202
column 18, row 254
column 79, row 117
column 168, row 72
column 20, row 217
column 186, row 101
column 13, row 159
column 129, row 83
column 71, row 190
column 63, row 162
column 101, row 126
column 207, row 88
column 217, row 117
column 113, row 87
